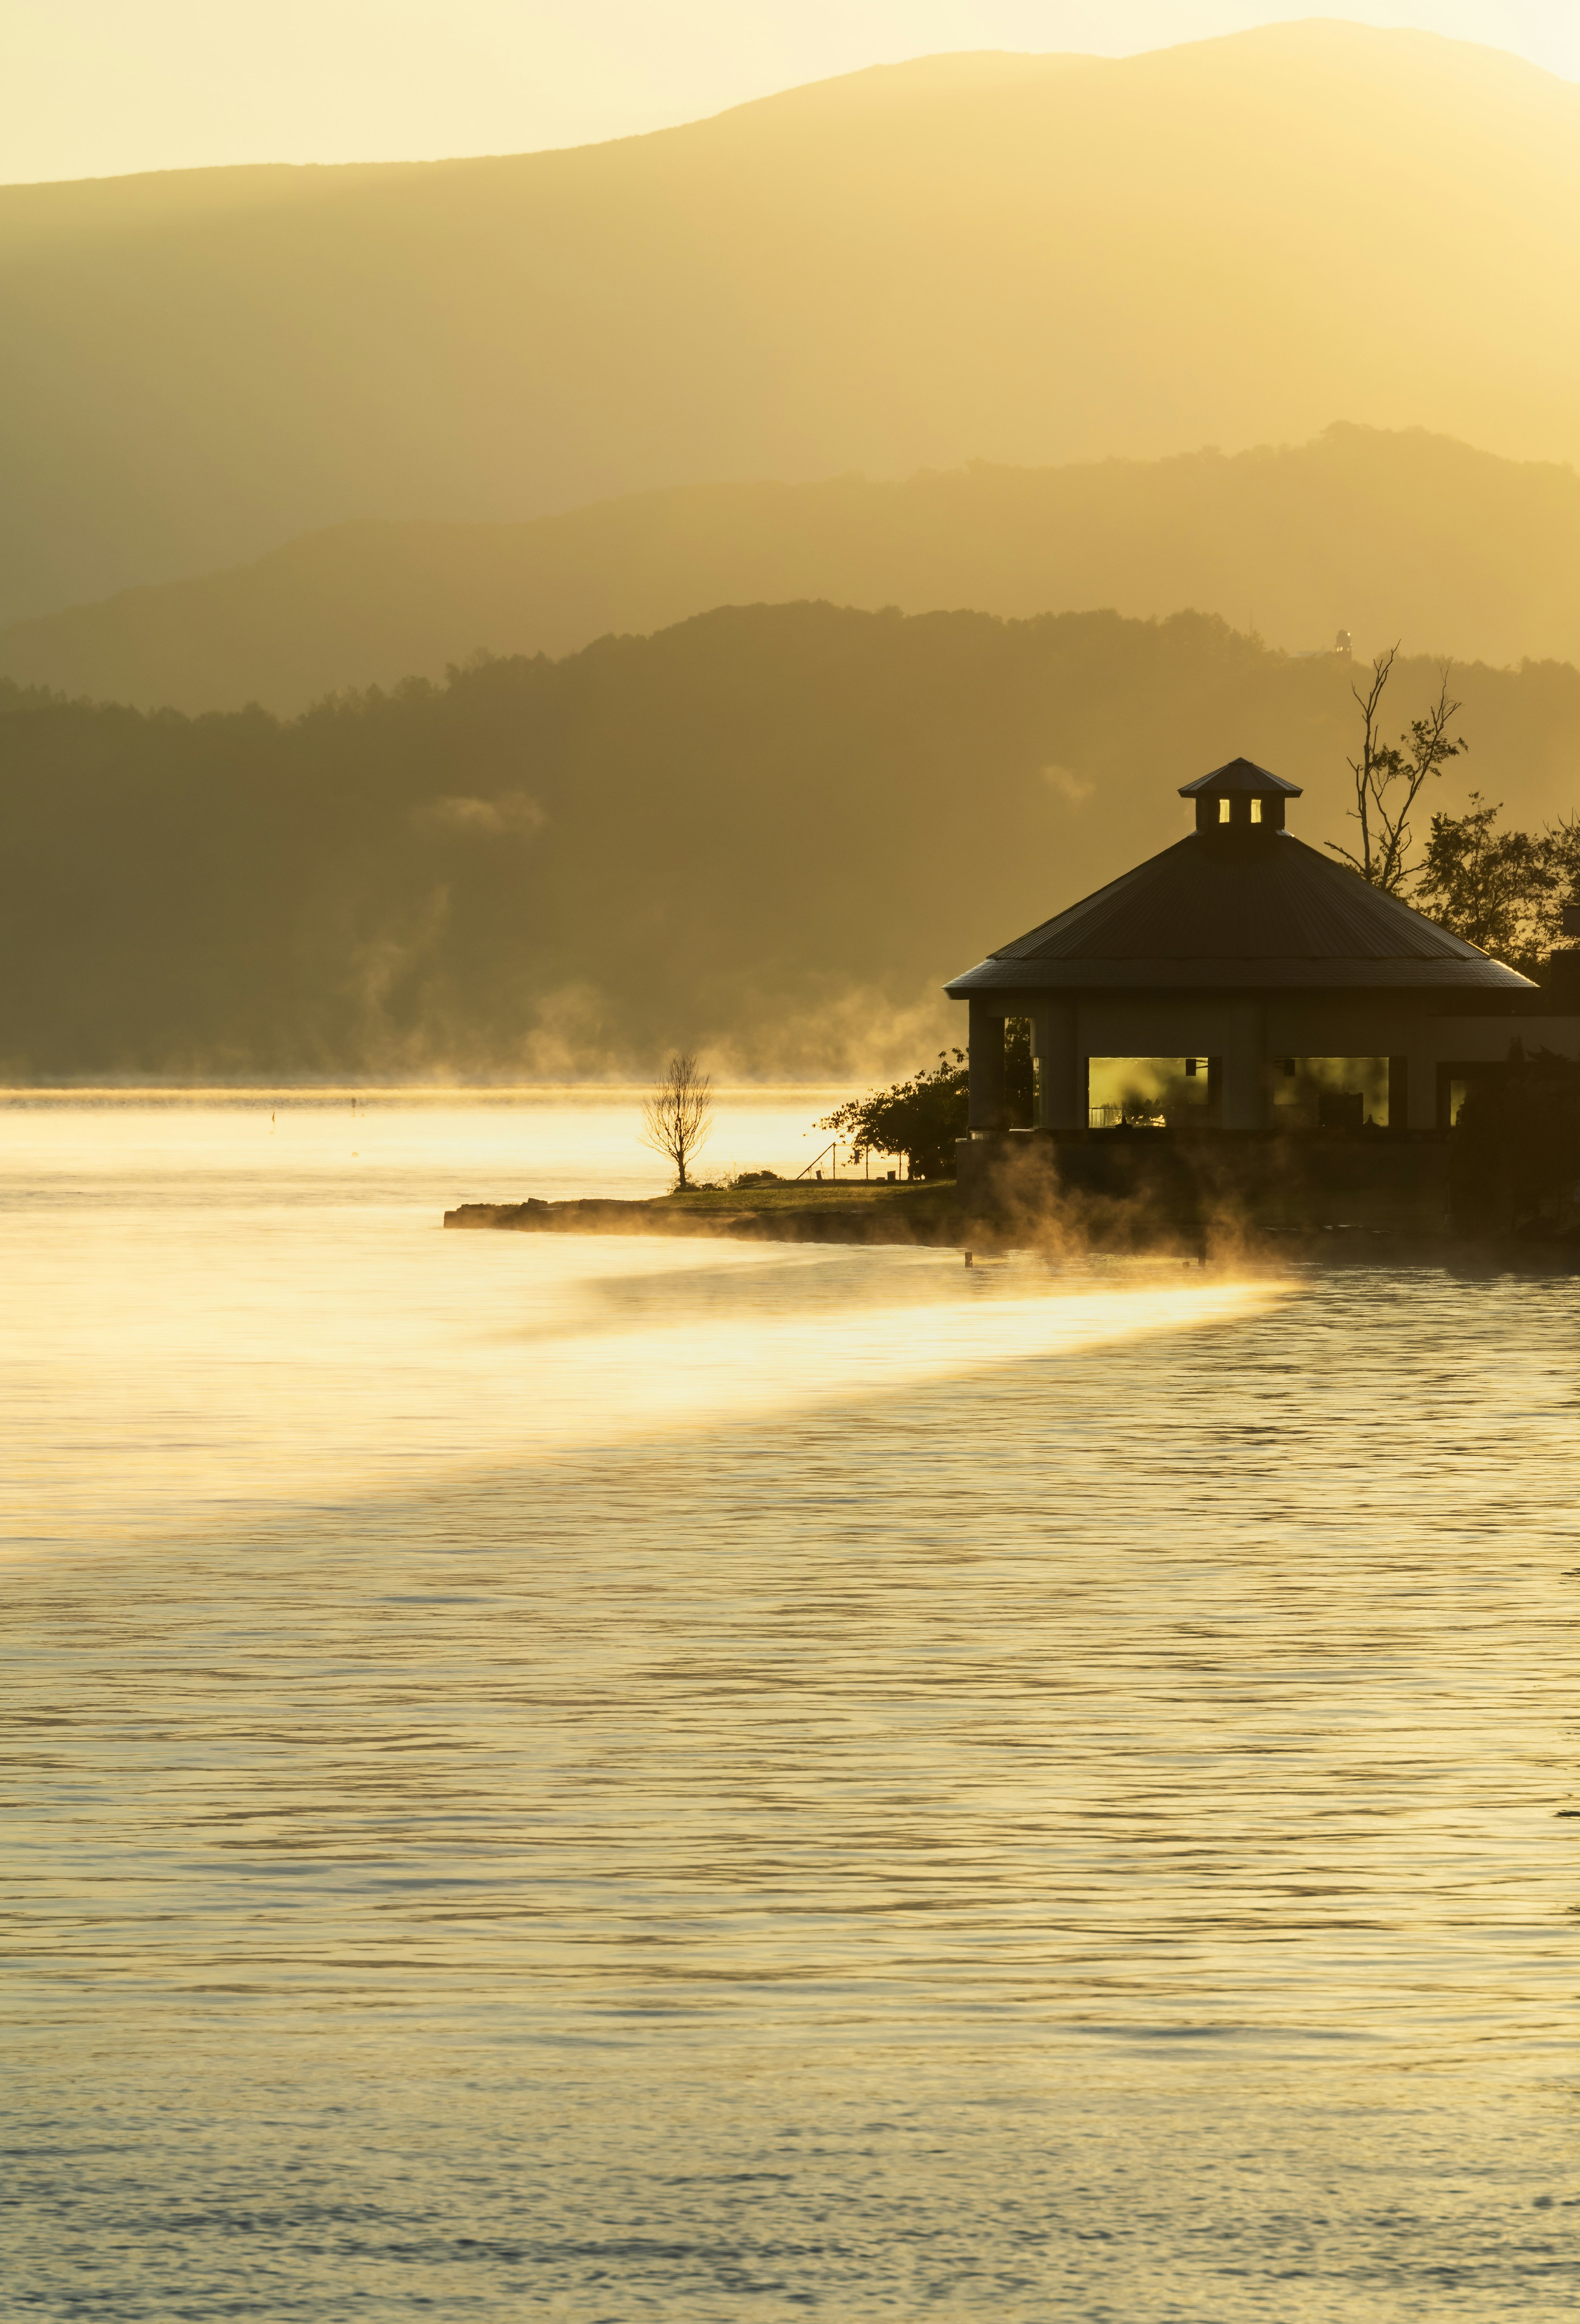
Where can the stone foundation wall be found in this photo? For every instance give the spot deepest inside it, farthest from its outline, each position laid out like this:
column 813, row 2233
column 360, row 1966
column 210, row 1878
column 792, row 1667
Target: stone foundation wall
column 1130, row 1186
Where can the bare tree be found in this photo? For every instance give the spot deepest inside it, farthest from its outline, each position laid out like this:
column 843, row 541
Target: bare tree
column 1389, row 777
column 678, row 1118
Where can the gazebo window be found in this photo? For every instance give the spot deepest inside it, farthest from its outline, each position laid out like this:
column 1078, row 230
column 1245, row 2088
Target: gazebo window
column 1330, row 1092
column 1148, row 1093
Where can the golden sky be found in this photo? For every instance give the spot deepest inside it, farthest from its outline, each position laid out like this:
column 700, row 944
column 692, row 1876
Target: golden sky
column 101, row 87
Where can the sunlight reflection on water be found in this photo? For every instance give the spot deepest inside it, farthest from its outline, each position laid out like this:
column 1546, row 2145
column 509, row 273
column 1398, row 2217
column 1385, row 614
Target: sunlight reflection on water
column 637, row 1778
column 191, row 1333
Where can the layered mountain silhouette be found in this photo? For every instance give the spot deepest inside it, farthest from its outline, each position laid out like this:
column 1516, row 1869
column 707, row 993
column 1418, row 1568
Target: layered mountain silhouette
column 1022, row 260
column 1390, row 533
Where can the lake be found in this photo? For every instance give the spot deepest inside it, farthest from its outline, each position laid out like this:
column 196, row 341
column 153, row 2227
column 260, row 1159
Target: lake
column 614, row 1778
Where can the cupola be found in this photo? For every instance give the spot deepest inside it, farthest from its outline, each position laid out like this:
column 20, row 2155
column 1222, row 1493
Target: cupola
column 1239, row 799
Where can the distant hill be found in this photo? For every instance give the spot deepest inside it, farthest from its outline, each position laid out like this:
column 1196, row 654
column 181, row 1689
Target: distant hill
column 1394, row 534
column 772, row 832
column 1026, row 259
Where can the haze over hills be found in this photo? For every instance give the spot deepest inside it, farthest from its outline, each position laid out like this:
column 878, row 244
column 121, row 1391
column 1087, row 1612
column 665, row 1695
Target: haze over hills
column 1394, row 534
column 1025, row 259
column 769, row 832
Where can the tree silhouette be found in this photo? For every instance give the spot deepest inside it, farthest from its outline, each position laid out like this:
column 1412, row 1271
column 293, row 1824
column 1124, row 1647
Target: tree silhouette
column 678, row 1118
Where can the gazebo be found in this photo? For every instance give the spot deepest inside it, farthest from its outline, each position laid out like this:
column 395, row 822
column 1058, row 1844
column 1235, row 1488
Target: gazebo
column 1242, row 984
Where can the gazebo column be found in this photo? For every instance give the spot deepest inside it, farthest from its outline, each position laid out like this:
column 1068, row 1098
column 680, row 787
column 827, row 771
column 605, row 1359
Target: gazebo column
column 1061, row 1093
column 1245, row 1067
column 1399, row 1092
column 985, row 1054
column 1421, row 1086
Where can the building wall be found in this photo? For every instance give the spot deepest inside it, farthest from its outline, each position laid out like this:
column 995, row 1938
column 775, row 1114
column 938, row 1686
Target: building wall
column 1243, row 1036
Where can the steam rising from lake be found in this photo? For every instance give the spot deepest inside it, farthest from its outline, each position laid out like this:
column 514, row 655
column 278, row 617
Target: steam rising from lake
column 229, row 1308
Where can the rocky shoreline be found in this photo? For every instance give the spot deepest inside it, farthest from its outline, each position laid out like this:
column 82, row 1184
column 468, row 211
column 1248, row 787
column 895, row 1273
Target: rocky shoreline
column 922, row 1215
column 931, row 1217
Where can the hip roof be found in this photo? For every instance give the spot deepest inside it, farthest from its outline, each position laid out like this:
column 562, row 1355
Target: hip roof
column 1274, row 913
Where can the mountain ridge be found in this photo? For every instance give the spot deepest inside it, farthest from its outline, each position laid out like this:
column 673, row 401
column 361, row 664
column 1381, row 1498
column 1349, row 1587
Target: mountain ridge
column 1028, row 263
column 1388, row 534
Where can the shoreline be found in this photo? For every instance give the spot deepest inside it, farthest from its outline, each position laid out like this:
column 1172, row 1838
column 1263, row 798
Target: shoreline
column 915, row 1212
column 924, row 1214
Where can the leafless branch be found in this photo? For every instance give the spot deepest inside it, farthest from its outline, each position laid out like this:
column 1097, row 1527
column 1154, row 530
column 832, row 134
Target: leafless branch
column 1389, row 778
column 678, row 1118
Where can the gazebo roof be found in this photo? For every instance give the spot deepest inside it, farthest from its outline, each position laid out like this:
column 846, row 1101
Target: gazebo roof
column 1251, row 910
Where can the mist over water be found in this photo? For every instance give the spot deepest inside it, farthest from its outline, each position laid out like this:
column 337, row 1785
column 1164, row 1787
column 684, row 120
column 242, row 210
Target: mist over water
column 614, row 1778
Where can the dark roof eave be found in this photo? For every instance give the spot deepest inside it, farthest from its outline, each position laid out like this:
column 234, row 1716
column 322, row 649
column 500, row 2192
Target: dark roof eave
column 1096, row 978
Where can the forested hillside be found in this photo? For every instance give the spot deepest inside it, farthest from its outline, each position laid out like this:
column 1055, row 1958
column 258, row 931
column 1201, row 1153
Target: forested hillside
column 769, row 832
column 1387, row 533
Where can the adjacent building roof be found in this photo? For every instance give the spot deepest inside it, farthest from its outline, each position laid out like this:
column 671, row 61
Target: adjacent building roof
column 1252, row 909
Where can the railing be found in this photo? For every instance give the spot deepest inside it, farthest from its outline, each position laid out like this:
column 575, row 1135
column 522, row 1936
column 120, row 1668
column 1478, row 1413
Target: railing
column 812, row 1165
column 833, row 1148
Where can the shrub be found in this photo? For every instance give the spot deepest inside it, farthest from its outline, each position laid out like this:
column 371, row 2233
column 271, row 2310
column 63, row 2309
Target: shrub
column 922, row 1118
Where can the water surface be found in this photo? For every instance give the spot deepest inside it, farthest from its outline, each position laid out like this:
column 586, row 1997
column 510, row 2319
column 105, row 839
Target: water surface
column 613, row 1778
